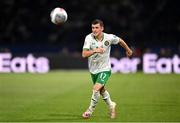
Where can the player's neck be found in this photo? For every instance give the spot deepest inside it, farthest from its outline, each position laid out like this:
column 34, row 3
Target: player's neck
column 99, row 37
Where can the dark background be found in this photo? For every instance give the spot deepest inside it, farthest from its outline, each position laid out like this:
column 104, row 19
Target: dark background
column 146, row 26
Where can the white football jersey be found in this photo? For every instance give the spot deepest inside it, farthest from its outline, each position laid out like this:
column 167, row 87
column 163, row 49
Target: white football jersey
column 100, row 62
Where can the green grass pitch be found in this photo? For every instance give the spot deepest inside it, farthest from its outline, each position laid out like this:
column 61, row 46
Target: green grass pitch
column 62, row 96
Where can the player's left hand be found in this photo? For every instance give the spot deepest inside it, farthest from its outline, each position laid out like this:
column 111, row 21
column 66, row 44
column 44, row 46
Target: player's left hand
column 129, row 52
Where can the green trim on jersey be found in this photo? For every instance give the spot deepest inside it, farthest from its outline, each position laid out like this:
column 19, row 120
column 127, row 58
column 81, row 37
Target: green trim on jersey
column 101, row 77
column 85, row 49
column 101, row 39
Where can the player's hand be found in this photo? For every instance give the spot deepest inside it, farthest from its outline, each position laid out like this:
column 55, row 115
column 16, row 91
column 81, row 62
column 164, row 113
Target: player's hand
column 129, row 52
column 99, row 50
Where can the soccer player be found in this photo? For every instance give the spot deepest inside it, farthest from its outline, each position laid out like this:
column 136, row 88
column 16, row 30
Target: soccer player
column 96, row 48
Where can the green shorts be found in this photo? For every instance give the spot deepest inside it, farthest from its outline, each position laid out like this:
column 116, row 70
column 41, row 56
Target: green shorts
column 101, row 77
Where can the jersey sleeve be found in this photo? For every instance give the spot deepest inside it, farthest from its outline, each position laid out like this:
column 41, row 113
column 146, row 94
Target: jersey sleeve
column 86, row 45
column 114, row 39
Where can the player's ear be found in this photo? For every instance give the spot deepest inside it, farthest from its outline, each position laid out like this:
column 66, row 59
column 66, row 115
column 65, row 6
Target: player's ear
column 102, row 28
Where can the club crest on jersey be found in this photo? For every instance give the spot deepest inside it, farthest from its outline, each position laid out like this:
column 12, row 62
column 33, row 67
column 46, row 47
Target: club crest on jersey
column 106, row 43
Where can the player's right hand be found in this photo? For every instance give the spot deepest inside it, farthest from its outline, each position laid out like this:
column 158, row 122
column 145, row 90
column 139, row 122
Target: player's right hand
column 99, row 50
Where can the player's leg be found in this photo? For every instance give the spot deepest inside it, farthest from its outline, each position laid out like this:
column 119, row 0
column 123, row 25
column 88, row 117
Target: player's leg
column 103, row 78
column 94, row 100
column 95, row 96
column 106, row 97
column 99, row 81
column 112, row 105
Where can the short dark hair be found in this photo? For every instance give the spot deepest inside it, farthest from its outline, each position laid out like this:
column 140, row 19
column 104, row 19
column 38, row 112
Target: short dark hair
column 98, row 21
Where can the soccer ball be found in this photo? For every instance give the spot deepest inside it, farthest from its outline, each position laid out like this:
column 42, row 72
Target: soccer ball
column 58, row 16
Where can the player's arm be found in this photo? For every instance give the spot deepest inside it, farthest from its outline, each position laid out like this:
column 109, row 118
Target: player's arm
column 86, row 53
column 126, row 47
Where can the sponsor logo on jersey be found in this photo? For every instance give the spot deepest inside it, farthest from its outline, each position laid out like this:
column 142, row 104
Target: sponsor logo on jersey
column 93, row 43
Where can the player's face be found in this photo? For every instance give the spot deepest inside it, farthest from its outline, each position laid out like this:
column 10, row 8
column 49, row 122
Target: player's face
column 97, row 29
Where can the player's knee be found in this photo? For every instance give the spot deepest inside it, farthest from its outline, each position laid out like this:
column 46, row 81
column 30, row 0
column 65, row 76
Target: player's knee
column 97, row 87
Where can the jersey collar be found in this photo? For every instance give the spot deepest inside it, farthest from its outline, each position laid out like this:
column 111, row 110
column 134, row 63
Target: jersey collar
column 96, row 39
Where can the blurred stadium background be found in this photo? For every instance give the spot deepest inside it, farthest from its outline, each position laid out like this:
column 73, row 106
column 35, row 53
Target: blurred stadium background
column 148, row 26
column 26, row 31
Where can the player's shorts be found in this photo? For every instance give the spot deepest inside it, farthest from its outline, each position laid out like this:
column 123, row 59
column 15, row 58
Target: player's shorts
column 101, row 77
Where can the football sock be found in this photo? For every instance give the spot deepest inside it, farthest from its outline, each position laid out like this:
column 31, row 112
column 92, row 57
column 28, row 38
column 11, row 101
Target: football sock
column 94, row 100
column 106, row 98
